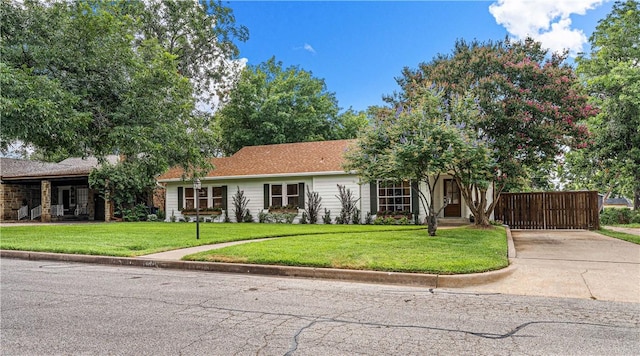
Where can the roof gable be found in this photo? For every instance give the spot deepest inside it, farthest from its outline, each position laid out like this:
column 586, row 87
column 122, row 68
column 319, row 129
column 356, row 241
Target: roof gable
column 286, row 158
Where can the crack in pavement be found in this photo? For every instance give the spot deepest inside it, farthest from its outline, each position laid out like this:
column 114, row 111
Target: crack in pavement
column 587, row 284
column 314, row 320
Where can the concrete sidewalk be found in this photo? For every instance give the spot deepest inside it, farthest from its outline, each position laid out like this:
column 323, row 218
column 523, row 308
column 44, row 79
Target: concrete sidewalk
column 571, row 264
column 626, row 230
column 176, row 255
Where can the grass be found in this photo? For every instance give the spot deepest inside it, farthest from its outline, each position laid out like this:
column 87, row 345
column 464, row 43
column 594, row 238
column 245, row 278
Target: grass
column 136, row 239
column 628, row 225
column 453, row 251
column 621, row 235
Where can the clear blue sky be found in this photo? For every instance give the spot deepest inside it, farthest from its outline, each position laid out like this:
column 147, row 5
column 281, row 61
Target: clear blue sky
column 358, row 48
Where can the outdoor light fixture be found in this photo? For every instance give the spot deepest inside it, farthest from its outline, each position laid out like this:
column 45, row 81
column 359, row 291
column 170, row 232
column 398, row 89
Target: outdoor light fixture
column 196, row 194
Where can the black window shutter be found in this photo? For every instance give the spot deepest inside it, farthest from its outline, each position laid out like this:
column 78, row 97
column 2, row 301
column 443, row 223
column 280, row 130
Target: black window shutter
column 224, row 197
column 266, row 196
column 374, row 197
column 180, row 197
column 301, row 195
column 415, row 199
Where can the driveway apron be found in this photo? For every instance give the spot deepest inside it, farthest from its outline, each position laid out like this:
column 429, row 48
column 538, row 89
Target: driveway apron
column 572, row 264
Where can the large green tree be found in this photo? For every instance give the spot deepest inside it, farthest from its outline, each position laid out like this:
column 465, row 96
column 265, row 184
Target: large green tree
column 87, row 78
column 529, row 109
column 418, row 144
column 611, row 72
column 271, row 104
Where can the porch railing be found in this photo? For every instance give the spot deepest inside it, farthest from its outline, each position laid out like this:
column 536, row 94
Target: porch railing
column 57, row 210
column 81, row 210
column 23, row 212
column 36, row 212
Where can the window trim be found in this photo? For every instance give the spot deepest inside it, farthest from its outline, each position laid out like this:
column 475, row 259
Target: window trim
column 385, row 206
column 284, row 196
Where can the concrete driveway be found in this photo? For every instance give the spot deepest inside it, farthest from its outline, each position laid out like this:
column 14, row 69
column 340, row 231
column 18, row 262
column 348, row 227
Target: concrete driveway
column 572, row 264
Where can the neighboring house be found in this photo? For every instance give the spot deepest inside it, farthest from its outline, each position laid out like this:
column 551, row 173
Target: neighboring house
column 620, row 202
column 34, row 190
column 279, row 175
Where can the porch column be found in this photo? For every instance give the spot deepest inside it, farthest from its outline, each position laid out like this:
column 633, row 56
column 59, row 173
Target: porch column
column 107, row 206
column 91, row 205
column 45, row 200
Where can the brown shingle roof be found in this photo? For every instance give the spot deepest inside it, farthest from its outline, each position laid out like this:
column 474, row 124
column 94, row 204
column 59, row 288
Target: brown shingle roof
column 286, row 158
column 19, row 169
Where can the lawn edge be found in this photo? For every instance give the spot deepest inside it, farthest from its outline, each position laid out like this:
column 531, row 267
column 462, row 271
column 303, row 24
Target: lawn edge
column 398, row 278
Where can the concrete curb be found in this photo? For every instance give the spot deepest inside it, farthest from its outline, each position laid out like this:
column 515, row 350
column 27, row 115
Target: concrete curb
column 413, row 279
column 511, row 247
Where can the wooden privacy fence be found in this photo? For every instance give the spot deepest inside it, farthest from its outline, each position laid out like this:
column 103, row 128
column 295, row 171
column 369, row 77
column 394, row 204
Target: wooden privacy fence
column 549, row 210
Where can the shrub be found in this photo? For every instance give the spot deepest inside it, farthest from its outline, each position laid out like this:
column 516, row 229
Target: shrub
column 378, row 221
column 173, row 217
column 240, row 203
column 161, row 215
column 355, row 218
column 152, row 217
column 403, row 221
column 248, row 218
column 263, row 217
column 391, row 220
column 614, row 216
column 326, row 218
column 368, row 218
column 288, row 218
column 303, row 218
column 313, row 206
column 348, row 202
column 226, row 216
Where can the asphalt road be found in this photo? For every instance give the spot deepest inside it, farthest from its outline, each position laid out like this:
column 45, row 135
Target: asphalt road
column 63, row 308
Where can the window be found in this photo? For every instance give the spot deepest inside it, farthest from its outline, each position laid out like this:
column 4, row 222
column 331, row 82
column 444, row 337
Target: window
column 188, row 198
column 285, row 195
column 394, row 196
column 276, row 195
column 203, row 198
column 203, row 202
column 292, row 194
column 217, row 197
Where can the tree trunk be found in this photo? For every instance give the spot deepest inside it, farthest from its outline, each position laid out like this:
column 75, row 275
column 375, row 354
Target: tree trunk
column 482, row 218
column 432, row 224
column 636, row 199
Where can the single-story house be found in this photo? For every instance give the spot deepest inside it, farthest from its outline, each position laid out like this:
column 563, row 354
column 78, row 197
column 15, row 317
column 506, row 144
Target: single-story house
column 279, row 175
column 35, row 190
column 618, row 202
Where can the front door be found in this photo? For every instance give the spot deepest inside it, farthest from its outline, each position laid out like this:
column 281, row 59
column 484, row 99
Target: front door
column 66, row 199
column 99, row 207
column 452, row 193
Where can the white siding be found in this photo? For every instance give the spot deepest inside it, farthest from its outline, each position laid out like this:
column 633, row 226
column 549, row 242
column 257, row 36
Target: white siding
column 365, row 201
column 327, row 187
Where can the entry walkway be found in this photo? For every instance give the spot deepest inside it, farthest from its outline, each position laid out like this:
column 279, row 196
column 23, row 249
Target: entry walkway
column 175, row 255
column 572, row 264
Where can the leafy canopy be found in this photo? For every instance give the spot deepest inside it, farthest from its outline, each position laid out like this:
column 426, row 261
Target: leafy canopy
column 93, row 78
column 529, row 109
column 611, row 72
column 271, row 104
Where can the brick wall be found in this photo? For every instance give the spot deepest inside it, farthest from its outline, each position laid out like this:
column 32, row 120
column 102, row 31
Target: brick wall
column 11, row 197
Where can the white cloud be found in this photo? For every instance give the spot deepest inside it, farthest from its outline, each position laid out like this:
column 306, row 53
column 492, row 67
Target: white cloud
column 307, row 47
column 546, row 21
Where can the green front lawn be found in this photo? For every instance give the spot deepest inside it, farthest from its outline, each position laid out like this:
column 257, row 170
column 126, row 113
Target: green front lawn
column 136, row 239
column 460, row 250
column 621, row 235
